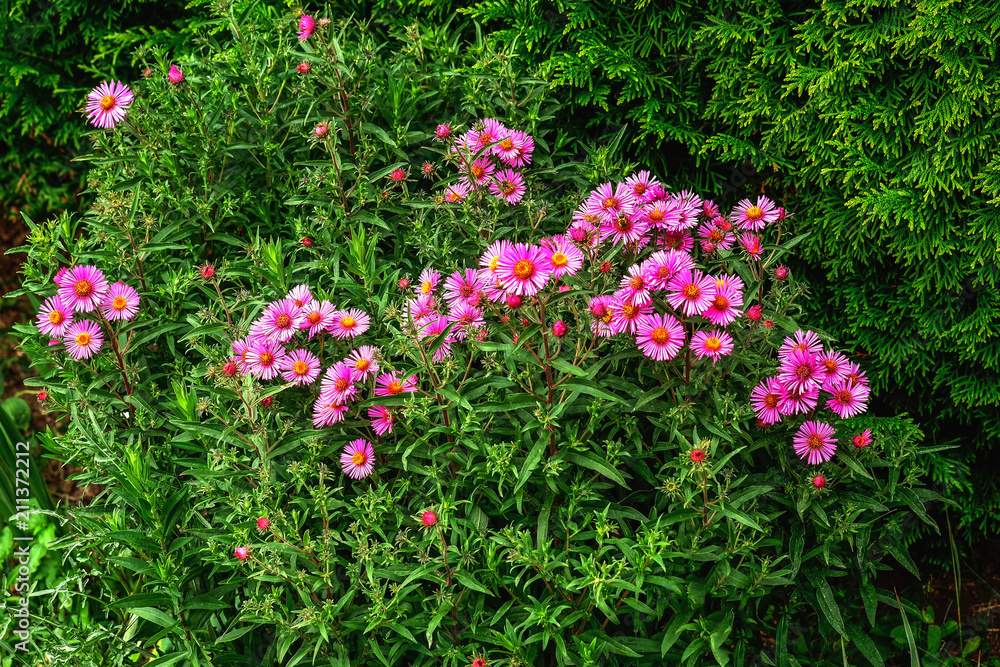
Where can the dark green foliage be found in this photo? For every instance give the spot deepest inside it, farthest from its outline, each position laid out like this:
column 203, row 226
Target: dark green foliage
column 875, row 121
column 53, row 52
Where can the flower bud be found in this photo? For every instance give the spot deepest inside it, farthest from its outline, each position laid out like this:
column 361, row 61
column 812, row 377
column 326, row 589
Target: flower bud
column 819, row 481
column 241, row 552
column 781, row 273
column 263, row 523
column 442, row 132
column 428, row 518
column 753, row 313
column 229, row 368
column 207, row 271
column 307, row 242
column 321, row 130
column 175, row 75
column 697, row 455
column 605, row 267
column 266, row 402
column 559, row 329
column 304, row 67
column 513, row 301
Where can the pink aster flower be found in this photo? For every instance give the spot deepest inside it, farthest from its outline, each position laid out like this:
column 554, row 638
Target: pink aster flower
column 724, row 307
column 847, row 399
column 627, row 313
column 691, row 292
column 863, row 439
column 609, row 200
column 524, row 146
column 833, row 367
column 766, row 401
column 327, row 413
column 641, row 183
column 264, row 358
column 467, row 319
column 389, row 384
column 306, row 26
column 301, row 367
column 83, row 339
column 807, row 341
column 624, row 227
column 677, row 240
column 660, row 267
column 659, row 337
column 382, row 419
column 714, row 237
column 815, row 442
column 602, row 310
column 565, row 258
column 794, row 401
column 54, row 317
column 61, row 276
column 279, row 322
column 428, row 281
column 485, row 132
column 490, row 259
column 241, row 553
column 712, row 344
column 83, row 289
column 317, row 316
column 456, row 192
column 480, row 172
column 752, row 245
column 854, row 374
column 463, row 287
column 241, row 348
column 800, row 371
column 660, row 214
column 300, row 296
column 430, row 332
column 338, row 385
column 358, row 459
column 508, row 185
column 423, row 308
column 635, row 283
column 524, row 269
column 175, row 75
column 106, row 104
column 508, row 149
column 363, row 362
column 755, row 216
column 349, row 323
column 120, row 302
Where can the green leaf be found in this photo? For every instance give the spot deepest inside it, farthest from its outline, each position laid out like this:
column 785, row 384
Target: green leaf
column 154, row 615
column 865, row 645
column 827, row 603
column 590, row 460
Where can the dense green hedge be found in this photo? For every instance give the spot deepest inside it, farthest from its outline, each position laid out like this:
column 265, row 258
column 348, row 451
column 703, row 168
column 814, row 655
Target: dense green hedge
column 875, row 120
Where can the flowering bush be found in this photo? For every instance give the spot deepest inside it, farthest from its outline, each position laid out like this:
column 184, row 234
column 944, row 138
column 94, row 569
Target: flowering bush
column 348, row 416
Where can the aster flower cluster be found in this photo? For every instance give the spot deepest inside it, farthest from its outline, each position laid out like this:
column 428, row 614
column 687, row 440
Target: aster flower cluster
column 85, row 290
column 807, row 373
column 489, row 156
column 277, row 346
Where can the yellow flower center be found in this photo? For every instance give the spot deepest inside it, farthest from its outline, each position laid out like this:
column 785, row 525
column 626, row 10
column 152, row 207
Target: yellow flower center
column 640, row 188
column 691, row 291
column 300, row 368
column 713, row 344
column 56, row 317
column 341, row 384
column 524, row 269
column 348, row 322
column 394, row 387
column 425, row 288
column 83, row 288
column 610, row 202
column 108, row 103
column 83, row 339
column 359, row 458
column 298, row 303
column 629, row 310
column 266, row 359
column 636, row 282
column 493, row 264
column 314, row 317
column 656, row 215
column 814, row 442
column 831, row 365
column 119, row 303
column 660, row 335
column 721, row 303
column 507, row 144
column 754, row 213
column 559, row 259
column 283, row 321
column 362, row 364
column 478, row 171
column 771, row 401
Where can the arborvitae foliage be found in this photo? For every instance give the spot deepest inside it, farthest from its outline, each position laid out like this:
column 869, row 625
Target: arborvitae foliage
column 53, row 52
column 876, row 121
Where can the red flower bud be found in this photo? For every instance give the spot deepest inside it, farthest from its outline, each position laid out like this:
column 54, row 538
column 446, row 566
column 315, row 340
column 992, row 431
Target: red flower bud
column 819, row 481
column 207, row 271
column 781, row 273
column 263, row 523
column 229, row 369
column 241, row 552
column 307, row 242
column 697, row 455
column 304, row 67
column 753, row 313
column 428, row 518
column 513, row 301
column 769, row 324
column 559, row 329
column 605, row 267
column 42, row 395
column 267, row 401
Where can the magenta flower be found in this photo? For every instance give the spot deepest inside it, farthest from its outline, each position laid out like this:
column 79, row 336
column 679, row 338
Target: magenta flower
column 456, row 192
column 602, row 310
column 800, row 371
column 510, row 149
column 833, row 368
column 635, row 284
column 83, row 289
column 626, row 314
column 565, row 258
column 61, row 276
column 175, row 75
column 508, row 185
column 382, row 419
column 241, row 348
column 677, row 240
column 691, row 292
column 624, row 227
column 755, row 216
column 358, row 459
column 524, row 269
column 107, row 103
column 327, row 413
column 815, row 442
column 485, row 132
column 264, row 358
column 794, row 401
column 854, row 374
column 724, row 308
column 241, row 553
column 659, row 337
column 467, row 319
column 300, row 296
column 120, row 302
column 766, row 401
column 301, row 367
column 54, row 317
column 863, row 439
column 306, row 26
column 801, row 340
column 524, row 146
column 660, row 214
column 463, row 287
column 389, row 384
column 363, row 362
column 642, row 184
column 317, row 316
column 279, row 322
column 752, row 245
column 428, row 282
column 848, row 399
column 83, row 339
column 349, row 323
column 479, row 172
column 442, row 132
column 338, row 384
column 490, row 260
column 660, row 268
column 610, row 200
column 712, row 344
column 262, row 523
